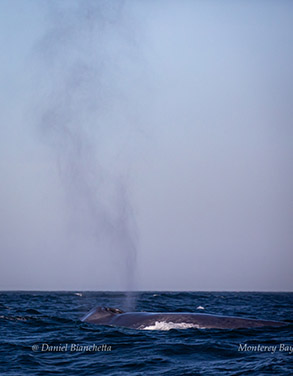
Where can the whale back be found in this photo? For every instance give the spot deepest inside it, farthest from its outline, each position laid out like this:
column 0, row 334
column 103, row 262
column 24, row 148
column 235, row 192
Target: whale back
column 142, row 320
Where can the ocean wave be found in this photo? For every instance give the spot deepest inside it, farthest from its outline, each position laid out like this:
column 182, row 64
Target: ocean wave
column 53, row 318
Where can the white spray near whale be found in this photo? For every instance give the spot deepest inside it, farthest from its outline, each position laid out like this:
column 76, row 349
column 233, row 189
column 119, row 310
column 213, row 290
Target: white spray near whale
column 85, row 56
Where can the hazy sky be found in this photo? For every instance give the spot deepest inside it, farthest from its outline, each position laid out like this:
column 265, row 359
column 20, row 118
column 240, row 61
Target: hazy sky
column 146, row 145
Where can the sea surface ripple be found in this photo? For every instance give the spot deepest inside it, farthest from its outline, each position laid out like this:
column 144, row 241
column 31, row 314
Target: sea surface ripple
column 32, row 321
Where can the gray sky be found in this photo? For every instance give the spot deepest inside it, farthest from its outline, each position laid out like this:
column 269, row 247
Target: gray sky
column 146, row 145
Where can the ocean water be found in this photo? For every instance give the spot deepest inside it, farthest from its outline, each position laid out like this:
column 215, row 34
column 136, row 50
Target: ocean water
column 41, row 334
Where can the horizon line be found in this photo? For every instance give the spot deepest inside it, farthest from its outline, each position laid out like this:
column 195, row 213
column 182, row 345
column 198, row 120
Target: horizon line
column 145, row 291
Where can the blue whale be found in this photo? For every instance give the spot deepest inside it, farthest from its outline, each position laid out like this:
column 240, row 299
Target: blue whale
column 148, row 320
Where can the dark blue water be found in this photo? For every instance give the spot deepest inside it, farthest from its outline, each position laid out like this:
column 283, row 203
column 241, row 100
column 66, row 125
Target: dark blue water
column 52, row 319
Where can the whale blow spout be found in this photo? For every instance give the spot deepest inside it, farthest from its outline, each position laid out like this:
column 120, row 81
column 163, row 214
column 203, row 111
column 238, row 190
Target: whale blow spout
column 179, row 320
